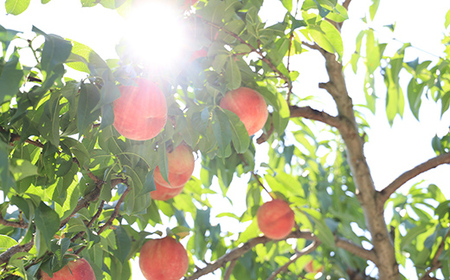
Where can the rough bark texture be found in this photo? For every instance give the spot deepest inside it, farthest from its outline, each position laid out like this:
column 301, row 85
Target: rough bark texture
column 366, row 193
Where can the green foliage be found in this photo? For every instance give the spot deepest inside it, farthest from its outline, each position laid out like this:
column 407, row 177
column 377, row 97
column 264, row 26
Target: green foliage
column 72, row 184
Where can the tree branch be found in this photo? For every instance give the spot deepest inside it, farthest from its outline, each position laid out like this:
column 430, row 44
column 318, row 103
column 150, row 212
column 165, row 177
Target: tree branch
column 7, row 223
column 253, row 49
column 5, row 256
column 435, row 263
column 229, row 270
column 365, row 187
column 313, row 114
column 247, row 246
column 408, row 175
column 313, row 246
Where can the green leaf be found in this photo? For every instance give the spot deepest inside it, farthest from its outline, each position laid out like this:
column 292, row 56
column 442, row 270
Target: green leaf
column 10, row 78
column 89, row 3
column 373, row 8
column 373, row 56
column 6, row 36
column 327, row 37
column 221, row 128
column 320, row 228
column 232, row 74
column 45, row 1
column 109, row 92
column 287, row 4
column 123, row 243
column 16, row 7
column 6, row 242
column 56, row 51
column 415, row 91
column 89, row 97
column 447, row 19
column 83, row 58
column 6, row 181
column 47, row 222
column 22, row 168
column 239, row 134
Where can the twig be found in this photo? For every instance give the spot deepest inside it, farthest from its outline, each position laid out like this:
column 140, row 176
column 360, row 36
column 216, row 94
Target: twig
column 263, row 138
column 313, row 246
column 7, row 223
column 262, row 185
column 91, row 222
column 253, row 49
column 288, row 97
column 115, row 212
column 111, row 219
column 229, row 270
column 435, row 263
column 313, row 114
column 408, row 175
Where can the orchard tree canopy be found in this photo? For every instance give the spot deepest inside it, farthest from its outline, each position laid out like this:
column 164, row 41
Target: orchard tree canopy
column 97, row 153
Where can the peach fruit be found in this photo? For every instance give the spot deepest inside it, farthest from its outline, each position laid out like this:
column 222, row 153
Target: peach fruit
column 163, row 259
column 78, row 269
column 275, row 219
column 249, row 105
column 140, row 113
column 164, row 193
column 181, row 166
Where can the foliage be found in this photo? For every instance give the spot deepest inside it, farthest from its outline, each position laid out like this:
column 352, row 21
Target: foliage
column 73, row 185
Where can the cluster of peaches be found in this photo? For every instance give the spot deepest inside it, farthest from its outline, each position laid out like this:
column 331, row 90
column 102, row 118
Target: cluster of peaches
column 140, row 114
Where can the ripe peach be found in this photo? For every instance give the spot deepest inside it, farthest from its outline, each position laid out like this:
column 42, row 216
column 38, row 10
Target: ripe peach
column 249, row 105
column 140, row 113
column 163, row 259
column 164, row 193
column 78, row 269
column 275, row 219
column 181, row 166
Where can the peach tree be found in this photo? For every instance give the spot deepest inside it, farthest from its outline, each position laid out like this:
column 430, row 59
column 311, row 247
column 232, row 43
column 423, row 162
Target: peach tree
column 72, row 185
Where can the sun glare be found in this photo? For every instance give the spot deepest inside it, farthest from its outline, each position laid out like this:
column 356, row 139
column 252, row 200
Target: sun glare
column 156, row 35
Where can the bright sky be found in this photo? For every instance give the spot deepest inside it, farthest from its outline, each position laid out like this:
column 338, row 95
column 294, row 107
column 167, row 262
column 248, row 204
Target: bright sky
column 390, row 152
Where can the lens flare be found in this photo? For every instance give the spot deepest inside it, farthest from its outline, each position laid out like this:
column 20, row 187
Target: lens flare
column 156, row 35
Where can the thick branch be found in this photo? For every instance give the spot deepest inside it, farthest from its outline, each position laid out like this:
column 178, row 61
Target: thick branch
column 313, row 114
column 304, row 251
column 365, row 188
column 408, row 175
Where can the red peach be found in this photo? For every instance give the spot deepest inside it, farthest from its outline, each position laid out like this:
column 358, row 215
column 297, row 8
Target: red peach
column 181, row 164
column 140, row 113
column 164, row 193
column 275, row 219
column 78, row 269
column 163, row 259
column 249, row 105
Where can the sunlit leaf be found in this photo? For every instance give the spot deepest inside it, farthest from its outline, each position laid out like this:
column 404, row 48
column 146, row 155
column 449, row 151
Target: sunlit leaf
column 16, row 7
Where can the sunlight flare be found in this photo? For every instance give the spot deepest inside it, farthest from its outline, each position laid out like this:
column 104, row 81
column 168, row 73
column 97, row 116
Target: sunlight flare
column 156, row 35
